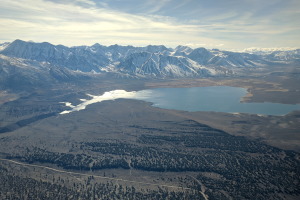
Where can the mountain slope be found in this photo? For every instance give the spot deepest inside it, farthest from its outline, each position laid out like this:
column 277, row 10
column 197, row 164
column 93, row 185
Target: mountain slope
column 77, row 58
column 150, row 61
column 158, row 65
column 20, row 74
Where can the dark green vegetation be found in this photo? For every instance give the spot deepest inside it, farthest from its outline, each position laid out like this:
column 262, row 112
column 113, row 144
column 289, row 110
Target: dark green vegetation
column 16, row 187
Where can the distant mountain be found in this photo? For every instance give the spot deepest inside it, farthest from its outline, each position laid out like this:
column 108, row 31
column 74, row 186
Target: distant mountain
column 201, row 56
column 276, row 54
column 20, row 74
column 159, row 65
column 143, row 62
column 182, row 50
column 75, row 58
column 4, row 45
column 284, row 55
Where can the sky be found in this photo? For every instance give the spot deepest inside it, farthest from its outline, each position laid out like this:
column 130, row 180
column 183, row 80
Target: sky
column 223, row 24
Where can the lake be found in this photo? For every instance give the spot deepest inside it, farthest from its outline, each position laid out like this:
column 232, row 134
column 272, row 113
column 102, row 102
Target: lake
column 214, row 98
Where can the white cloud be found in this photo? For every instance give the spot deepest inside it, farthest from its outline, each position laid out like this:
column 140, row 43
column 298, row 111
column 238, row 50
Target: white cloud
column 71, row 24
column 155, row 5
column 81, row 22
column 88, row 2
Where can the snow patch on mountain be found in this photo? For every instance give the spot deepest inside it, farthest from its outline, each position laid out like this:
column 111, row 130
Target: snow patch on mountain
column 263, row 51
column 149, row 61
column 4, row 45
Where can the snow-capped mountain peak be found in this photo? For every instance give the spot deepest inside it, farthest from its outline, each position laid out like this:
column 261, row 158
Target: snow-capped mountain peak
column 149, row 61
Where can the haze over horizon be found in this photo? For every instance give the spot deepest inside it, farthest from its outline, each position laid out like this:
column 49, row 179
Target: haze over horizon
column 232, row 24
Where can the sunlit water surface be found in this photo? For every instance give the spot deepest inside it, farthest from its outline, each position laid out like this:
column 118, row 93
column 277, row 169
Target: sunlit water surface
column 215, row 98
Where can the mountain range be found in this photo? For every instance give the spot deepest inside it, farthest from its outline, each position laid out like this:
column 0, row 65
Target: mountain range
column 29, row 62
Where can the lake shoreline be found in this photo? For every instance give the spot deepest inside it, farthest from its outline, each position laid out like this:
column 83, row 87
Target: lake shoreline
column 225, row 99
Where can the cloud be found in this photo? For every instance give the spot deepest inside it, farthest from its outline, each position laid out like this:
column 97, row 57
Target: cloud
column 168, row 22
column 87, row 2
column 73, row 24
column 211, row 45
column 154, row 6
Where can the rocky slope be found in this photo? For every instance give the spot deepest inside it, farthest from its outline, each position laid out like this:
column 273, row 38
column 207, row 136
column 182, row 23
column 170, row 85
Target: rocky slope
column 29, row 62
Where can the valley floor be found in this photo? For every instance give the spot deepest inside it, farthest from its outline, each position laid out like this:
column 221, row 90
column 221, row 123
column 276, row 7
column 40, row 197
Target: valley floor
column 127, row 149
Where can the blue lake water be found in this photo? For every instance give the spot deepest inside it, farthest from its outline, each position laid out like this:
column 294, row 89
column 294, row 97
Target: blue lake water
column 215, row 98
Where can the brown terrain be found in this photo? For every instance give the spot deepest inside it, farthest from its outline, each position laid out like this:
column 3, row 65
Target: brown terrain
column 127, row 149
